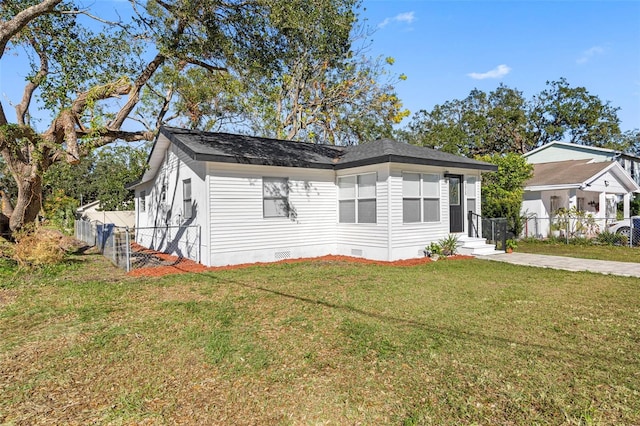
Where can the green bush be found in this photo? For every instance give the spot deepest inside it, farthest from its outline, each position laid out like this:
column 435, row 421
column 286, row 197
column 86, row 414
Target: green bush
column 449, row 245
column 607, row 238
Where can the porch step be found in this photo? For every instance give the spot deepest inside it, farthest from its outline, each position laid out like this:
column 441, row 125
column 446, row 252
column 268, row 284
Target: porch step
column 476, row 247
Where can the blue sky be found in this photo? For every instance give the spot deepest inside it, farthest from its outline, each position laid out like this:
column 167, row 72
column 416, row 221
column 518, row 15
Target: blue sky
column 448, row 48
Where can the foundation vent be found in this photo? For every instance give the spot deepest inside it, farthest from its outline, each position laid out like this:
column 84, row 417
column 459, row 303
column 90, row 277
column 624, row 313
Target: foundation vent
column 356, row 252
column 279, row 255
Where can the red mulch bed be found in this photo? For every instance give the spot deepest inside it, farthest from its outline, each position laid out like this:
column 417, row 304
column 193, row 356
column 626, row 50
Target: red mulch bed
column 182, row 265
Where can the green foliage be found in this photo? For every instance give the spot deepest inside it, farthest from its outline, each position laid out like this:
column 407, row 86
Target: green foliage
column 477, row 125
column 608, row 238
column 502, row 191
column 574, row 222
column 433, row 248
column 449, row 245
column 102, row 81
column 562, row 112
column 328, row 95
column 103, row 175
column 503, row 121
column 60, row 210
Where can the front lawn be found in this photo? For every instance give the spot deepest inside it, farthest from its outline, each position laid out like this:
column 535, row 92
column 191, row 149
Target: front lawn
column 450, row 342
column 602, row 252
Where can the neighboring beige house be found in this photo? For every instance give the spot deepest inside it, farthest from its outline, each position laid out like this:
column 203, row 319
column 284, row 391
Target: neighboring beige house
column 569, row 176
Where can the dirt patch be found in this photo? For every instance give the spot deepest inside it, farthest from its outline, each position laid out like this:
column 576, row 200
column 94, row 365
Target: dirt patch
column 174, row 265
column 7, row 296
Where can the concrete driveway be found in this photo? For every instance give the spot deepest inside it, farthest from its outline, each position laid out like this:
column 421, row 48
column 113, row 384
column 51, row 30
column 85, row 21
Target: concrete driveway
column 625, row 269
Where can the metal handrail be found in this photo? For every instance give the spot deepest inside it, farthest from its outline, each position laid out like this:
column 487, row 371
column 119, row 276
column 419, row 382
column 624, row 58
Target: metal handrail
column 493, row 230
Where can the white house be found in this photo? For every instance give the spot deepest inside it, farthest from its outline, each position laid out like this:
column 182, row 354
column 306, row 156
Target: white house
column 92, row 213
column 560, row 151
column 589, row 179
column 262, row 200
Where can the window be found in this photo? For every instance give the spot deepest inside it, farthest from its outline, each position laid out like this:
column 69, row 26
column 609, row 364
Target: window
column 580, row 204
column 357, row 199
column 143, row 201
column 471, row 194
column 163, row 192
column 275, row 197
column 420, row 197
column 554, row 204
column 187, row 207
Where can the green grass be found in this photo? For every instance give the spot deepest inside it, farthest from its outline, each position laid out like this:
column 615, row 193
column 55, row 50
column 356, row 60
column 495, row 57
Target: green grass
column 602, row 252
column 450, row 342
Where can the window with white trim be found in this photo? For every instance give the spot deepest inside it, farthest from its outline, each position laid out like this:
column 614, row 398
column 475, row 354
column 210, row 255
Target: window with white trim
column 357, row 198
column 471, row 194
column 143, row 201
column 275, row 197
column 187, row 206
column 420, row 197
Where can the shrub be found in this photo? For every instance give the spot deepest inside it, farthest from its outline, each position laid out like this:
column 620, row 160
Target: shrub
column 580, row 241
column 35, row 247
column 433, row 248
column 608, row 238
column 449, row 245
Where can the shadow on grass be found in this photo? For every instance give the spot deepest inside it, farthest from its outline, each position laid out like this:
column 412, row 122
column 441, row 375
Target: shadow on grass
column 441, row 332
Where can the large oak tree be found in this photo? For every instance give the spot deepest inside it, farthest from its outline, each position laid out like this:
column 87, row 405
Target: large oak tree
column 102, row 81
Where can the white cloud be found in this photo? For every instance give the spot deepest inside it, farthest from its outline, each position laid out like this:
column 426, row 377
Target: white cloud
column 406, row 17
column 497, row 72
column 590, row 53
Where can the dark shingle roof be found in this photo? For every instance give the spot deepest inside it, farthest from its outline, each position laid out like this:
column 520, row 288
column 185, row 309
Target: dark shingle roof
column 387, row 150
column 231, row 148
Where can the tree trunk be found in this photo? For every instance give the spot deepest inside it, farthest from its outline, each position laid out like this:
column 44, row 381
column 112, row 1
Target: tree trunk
column 29, row 202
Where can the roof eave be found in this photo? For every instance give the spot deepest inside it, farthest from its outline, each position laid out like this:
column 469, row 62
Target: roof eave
column 391, row 158
column 553, row 187
column 239, row 159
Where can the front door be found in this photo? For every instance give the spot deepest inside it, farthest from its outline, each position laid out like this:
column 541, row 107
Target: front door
column 455, row 203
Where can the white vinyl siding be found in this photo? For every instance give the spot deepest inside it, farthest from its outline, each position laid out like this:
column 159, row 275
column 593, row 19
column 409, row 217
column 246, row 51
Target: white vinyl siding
column 238, row 229
column 275, row 197
column 179, row 179
column 357, row 198
column 420, row 197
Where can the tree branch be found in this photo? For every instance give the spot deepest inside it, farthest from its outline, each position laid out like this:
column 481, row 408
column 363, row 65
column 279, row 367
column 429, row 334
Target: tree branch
column 10, row 28
column 134, row 92
column 204, row 65
column 23, row 107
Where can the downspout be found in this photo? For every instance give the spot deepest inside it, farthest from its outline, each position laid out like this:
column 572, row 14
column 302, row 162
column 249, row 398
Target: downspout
column 389, row 217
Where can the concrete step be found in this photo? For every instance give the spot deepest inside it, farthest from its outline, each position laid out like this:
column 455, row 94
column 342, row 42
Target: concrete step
column 476, row 247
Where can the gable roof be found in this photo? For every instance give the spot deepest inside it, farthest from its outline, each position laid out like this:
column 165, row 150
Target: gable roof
column 231, row 148
column 241, row 149
column 612, row 153
column 575, row 174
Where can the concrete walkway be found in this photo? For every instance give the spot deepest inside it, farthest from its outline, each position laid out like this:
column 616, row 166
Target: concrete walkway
column 625, row 269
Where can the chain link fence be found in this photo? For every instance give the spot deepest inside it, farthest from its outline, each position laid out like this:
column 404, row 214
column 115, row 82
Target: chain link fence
column 568, row 227
column 141, row 247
